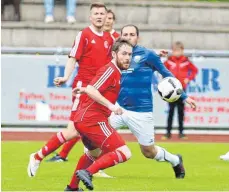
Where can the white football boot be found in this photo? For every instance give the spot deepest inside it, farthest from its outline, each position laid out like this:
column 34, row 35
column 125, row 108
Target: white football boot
column 33, row 165
column 225, row 157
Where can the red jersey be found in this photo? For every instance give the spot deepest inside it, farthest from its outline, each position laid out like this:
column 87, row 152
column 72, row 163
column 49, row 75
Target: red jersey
column 114, row 34
column 107, row 82
column 92, row 50
column 182, row 68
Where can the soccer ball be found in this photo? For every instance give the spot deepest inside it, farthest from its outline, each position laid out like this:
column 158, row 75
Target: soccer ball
column 170, row 89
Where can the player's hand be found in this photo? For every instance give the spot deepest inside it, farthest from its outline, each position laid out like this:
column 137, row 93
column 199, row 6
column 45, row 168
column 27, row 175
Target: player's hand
column 163, row 53
column 191, row 102
column 116, row 109
column 58, row 81
column 78, row 90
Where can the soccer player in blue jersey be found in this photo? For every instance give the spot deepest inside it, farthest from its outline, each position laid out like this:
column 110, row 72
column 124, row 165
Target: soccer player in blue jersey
column 137, row 101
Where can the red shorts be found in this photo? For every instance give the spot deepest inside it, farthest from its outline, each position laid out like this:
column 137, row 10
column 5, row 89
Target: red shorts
column 76, row 100
column 99, row 135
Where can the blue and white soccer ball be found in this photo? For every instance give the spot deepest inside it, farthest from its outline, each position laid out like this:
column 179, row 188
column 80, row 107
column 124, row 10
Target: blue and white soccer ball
column 170, row 89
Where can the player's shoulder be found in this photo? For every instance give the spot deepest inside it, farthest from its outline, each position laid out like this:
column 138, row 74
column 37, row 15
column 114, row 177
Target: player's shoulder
column 86, row 31
column 110, row 68
column 107, row 35
column 115, row 34
column 83, row 33
column 147, row 52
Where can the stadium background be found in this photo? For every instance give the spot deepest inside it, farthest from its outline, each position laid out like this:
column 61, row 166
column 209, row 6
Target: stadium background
column 34, row 52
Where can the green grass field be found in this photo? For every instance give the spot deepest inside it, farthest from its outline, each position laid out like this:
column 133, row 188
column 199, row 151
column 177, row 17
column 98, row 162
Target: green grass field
column 204, row 170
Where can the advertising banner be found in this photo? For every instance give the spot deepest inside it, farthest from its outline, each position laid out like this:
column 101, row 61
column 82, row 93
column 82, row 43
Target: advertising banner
column 29, row 96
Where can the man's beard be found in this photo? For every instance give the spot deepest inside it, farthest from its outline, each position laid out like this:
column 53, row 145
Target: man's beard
column 120, row 66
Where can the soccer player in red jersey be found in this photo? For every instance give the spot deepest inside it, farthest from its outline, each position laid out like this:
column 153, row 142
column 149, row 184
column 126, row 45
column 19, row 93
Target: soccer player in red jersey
column 62, row 155
column 91, row 119
column 92, row 50
column 108, row 26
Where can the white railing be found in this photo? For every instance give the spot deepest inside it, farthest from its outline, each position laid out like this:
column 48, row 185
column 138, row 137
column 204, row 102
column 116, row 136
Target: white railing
column 66, row 50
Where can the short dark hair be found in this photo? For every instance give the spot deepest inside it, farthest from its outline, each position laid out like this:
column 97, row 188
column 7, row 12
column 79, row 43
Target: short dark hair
column 131, row 25
column 178, row 44
column 110, row 11
column 120, row 42
column 98, row 5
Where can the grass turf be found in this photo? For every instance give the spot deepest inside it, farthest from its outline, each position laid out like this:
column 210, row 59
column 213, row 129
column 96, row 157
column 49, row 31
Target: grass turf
column 204, row 170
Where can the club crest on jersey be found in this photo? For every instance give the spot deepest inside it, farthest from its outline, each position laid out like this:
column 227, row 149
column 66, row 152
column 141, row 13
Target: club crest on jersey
column 106, row 44
column 137, row 58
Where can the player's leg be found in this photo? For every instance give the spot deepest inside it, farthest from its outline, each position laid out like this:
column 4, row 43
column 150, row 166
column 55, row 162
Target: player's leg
column 116, row 122
column 54, row 143
column 114, row 151
column 100, row 173
column 84, row 162
column 160, row 154
column 142, row 126
column 67, row 147
column 107, row 160
column 65, row 150
column 180, row 107
column 170, row 120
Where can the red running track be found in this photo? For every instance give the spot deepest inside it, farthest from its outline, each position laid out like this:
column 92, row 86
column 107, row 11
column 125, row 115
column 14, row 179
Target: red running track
column 44, row 136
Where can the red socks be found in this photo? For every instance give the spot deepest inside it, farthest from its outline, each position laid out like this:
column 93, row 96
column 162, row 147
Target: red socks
column 83, row 163
column 68, row 146
column 54, row 143
column 107, row 160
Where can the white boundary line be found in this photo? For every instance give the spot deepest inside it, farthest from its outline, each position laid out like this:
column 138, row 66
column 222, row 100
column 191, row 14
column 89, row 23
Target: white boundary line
column 123, row 131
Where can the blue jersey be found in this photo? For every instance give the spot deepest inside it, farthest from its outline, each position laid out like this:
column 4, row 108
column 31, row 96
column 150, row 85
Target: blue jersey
column 136, row 94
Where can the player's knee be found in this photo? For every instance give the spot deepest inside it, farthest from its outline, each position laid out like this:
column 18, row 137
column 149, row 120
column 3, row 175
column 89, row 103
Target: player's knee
column 95, row 153
column 149, row 152
column 125, row 151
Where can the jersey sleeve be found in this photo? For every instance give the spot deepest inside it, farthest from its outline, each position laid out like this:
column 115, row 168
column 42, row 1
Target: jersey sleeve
column 103, row 79
column 154, row 61
column 78, row 46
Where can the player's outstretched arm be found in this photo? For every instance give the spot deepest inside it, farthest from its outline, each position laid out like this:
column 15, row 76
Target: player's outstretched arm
column 96, row 96
column 154, row 61
column 58, row 81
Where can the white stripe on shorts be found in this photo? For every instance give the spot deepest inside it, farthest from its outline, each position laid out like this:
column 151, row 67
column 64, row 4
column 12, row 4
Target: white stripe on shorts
column 104, row 128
